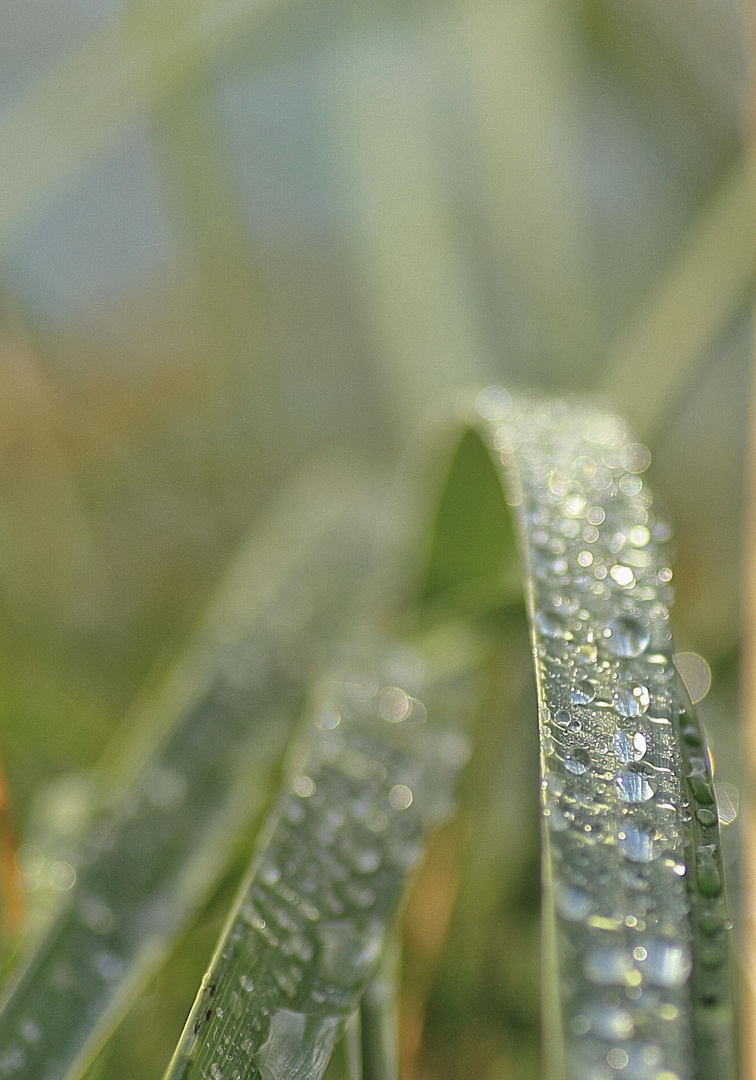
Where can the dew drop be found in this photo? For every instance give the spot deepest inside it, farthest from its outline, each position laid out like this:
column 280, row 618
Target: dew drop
column 631, row 699
column 367, row 862
column 610, row 1022
column 572, row 903
column 400, row 797
column 626, row 637
column 630, row 747
column 30, row 1032
column 583, row 692
column 553, row 625
column 667, row 964
column 617, row 1058
column 637, row 844
column 608, row 965
column 577, row 761
column 634, row 786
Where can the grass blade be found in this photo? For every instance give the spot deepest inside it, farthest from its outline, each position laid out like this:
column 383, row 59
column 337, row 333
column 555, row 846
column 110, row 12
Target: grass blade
column 634, row 907
column 215, row 735
column 311, row 920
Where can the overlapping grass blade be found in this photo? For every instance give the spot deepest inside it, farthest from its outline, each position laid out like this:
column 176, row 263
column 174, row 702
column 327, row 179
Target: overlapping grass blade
column 374, row 771
column 213, row 738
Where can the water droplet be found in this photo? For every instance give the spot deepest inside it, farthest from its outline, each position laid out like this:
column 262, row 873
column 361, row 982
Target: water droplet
column 30, row 1032
column 165, row 789
column 611, row 1022
column 634, row 786
column 360, row 895
column 246, row 983
column 367, row 862
column 327, row 717
column 626, row 637
column 553, row 625
column 707, row 871
column 572, row 903
column 577, row 761
column 400, row 797
column 304, row 786
column 12, row 1060
column 631, row 699
column 637, row 843
column 349, row 950
column 583, row 692
column 95, row 915
column 394, row 705
column 107, row 965
column 629, row 747
column 62, row 876
column 667, row 964
column 609, row 965
column 707, row 818
column 493, row 403
column 623, row 575
column 617, row 1058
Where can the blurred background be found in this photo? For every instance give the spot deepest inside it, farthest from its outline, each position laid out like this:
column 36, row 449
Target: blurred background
column 236, row 235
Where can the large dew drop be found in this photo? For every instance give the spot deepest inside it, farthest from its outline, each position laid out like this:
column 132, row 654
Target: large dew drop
column 630, row 746
column 631, row 699
column 627, row 637
column 637, row 844
column 577, row 761
column 634, row 786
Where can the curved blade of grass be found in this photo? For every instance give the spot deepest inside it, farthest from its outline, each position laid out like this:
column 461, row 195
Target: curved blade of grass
column 375, row 770
column 636, row 921
column 213, row 737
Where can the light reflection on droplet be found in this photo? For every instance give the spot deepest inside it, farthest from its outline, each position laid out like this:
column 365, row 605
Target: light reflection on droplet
column 623, row 575
column 629, row 747
column 631, row 699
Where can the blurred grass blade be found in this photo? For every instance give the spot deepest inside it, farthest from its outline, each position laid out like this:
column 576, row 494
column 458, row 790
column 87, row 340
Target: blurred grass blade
column 686, row 310
column 375, row 770
column 212, row 740
column 83, row 106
